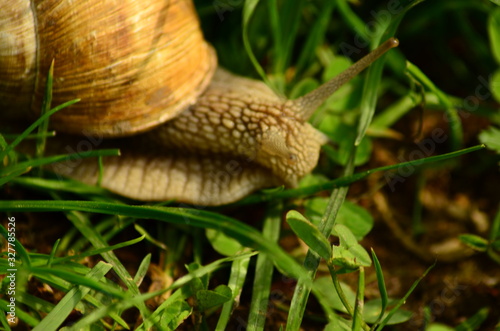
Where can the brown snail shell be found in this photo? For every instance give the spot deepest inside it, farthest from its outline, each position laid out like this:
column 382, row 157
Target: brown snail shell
column 134, row 64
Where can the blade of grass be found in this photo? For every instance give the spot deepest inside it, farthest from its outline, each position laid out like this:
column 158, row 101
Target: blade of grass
column 356, row 23
column 244, row 233
column 357, row 322
column 53, row 253
column 381, row 288
column 137, row 300
column 142, row 270
column 57, row 316
column 13, row 173
column 474, row 322
column 60, row 260
column 33, row 126
column 239, row 269
column 403, row 299
column 374, row 74
column 289, row 23
column 456, row 138
column 347, row 180
column 149, row 237
column 47, row 101
column 315, row 37
column 74, row 278
column 248, row 9
column 30, row 136
column 67, row 185
column 264, row 272
column 83, row 224
column 22, row 166
column 34, row 302
column 495, row 227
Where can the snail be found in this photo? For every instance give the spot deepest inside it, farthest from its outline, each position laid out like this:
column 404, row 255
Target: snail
column 149, row 83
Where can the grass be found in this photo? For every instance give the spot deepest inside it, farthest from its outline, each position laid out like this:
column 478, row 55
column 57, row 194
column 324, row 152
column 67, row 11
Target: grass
column 121, row 264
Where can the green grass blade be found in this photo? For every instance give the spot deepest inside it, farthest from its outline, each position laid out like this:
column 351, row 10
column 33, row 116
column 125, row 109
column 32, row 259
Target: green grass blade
column 239, row 269
column 357, row 321
column 94, row 252
column 85, row 227
column 13, row 173
column 57, row 316
column 275, row 22
column 53, row 253
column 22, row 166
column 67, row 185
column 384, row 297
column 34, row 302
column 47, row 101
column 374, row 75
column 456, row 138
column 248, row 10
column 263, row 273
column 33, row 126
column 347, row 180
column 495, row 227
column 149, row 237
column 309, row 233
column 356, row 23
column 474, row 322
column 142, row 270
column 30, row 136
column 74, row 278
column 244, row 233
column 104, row 311
column 403, row 299
column 315, row 37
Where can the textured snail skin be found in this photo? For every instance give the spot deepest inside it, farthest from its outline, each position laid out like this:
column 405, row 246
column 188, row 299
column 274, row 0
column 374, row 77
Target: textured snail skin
column 237, row 138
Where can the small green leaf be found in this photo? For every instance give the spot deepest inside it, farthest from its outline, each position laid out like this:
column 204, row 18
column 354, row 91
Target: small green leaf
column 495, row 84
column 347, row 238
column 207, row 299
column 273, row 190
column 343, row 135
column 439, row 327
column 329, row 294
column 174, row 315
column 475, row 242
column 491, row 138
column 475, row 321
column 494, row 33
column 196, row 284
column 355, row 217
column 222, row 243
column 341, row 325
column 349, row 254
column 373, row 309
column 309, row 233
column 384, row 298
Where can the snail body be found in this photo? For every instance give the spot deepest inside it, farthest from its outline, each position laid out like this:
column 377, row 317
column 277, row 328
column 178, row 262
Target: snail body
column 210, row 140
